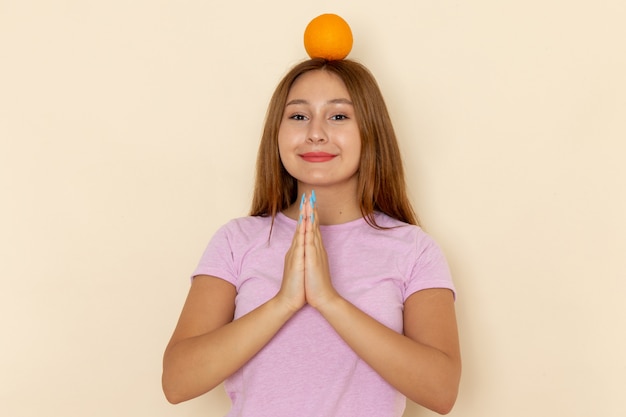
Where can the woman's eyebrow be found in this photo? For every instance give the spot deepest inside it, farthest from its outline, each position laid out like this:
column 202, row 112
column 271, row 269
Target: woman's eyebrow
column 340, row 101
column 296, row 101
column 333, row 101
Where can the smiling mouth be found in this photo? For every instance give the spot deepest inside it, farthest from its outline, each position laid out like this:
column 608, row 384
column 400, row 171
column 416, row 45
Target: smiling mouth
column 317, row 156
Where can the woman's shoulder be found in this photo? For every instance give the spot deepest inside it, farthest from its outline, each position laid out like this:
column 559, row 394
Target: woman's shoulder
column 390, row 223
column 247, row 224
column 399, row 229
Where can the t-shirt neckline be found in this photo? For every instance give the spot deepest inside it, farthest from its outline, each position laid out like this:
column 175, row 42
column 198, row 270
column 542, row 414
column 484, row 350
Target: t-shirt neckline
column 349, row 224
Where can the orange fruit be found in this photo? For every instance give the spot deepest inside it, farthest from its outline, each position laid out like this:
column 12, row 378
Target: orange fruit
column 328, row 36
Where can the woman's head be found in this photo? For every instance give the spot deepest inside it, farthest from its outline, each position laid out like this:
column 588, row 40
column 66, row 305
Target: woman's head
column 381, row 185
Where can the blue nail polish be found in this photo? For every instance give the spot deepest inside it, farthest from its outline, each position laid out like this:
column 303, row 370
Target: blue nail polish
column 302, row 201
column 312, row 217
column 300, row 219
column 313, row 199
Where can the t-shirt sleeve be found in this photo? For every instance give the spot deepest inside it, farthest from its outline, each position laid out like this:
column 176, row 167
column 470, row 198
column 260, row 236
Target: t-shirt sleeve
column 218, row 257
column 430, row 269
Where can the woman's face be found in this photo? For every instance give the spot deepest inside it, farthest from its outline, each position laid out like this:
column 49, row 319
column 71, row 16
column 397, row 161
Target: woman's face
column 318, row 139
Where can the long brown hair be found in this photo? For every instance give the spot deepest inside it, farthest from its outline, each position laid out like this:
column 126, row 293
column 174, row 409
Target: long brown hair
column 381, row 184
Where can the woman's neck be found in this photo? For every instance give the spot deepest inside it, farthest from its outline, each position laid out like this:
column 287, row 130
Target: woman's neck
column 334, row 206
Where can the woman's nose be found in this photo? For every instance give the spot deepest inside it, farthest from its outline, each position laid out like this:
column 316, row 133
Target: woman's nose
column 316, row 132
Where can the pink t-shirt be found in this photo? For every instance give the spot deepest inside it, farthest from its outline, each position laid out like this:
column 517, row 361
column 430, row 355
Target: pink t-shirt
column 307, row 370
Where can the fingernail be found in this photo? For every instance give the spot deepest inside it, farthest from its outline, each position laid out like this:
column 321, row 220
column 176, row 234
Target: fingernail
column 313, row 199
column 302, row 201
column 312, row 218
column 300, row 219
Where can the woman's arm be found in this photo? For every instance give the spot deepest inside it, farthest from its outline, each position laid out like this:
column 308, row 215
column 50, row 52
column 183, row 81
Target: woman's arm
column 207, row 345
column 424, row 363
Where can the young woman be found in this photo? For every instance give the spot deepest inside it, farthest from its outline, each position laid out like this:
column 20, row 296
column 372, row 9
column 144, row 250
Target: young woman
column 328, row 300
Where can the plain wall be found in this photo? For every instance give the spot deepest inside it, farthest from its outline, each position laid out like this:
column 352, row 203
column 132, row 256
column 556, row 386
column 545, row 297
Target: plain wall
column 128, row 135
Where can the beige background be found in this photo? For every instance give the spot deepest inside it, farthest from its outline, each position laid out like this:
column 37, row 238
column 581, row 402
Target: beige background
column 128, row 134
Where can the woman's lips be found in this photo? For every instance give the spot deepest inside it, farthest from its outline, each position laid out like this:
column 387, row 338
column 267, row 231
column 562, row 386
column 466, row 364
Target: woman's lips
column 317, row 156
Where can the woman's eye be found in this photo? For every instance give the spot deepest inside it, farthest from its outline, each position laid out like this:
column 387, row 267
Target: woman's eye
column 339, row 117
column 298, row 117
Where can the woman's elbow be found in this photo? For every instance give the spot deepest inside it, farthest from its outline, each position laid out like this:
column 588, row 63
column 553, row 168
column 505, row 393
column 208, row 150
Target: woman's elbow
column 448, row 390
column 179, row 387
column 442, row 403
column 176, row 386
column 444, row 407
column 172, row 395
column 172, row 398
column 441, row 396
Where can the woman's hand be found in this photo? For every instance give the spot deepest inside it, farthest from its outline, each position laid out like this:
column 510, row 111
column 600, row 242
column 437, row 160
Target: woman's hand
column 292, row 288
column 317, row 281
column 306, row 276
